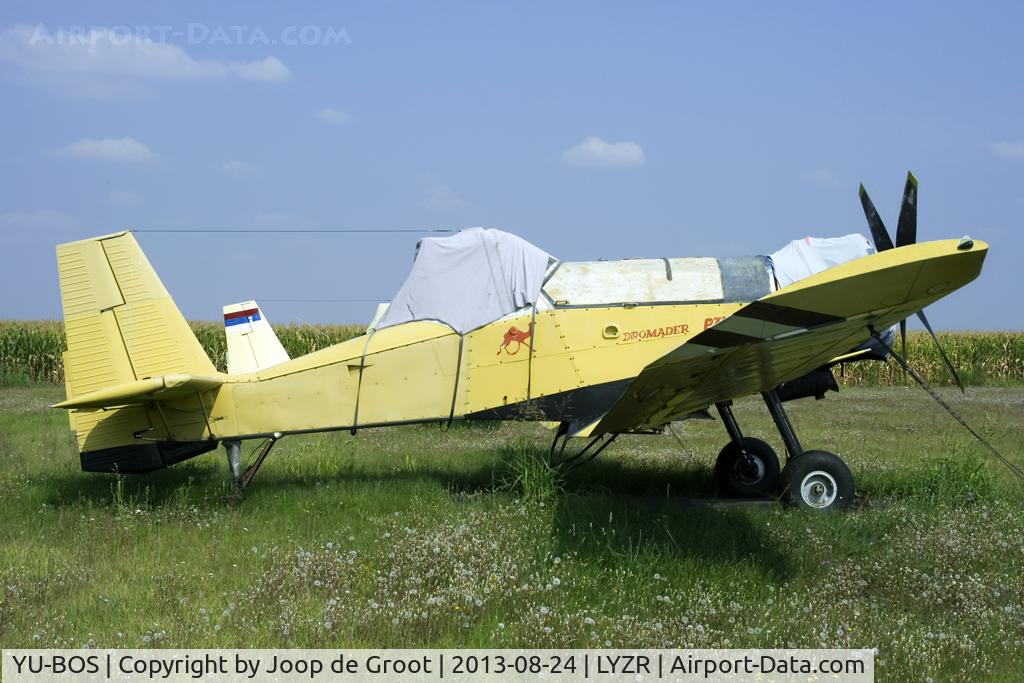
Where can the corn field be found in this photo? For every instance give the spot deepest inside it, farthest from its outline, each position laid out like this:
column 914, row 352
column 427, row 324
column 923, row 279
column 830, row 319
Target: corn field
column 981, row 358
column 30, row 351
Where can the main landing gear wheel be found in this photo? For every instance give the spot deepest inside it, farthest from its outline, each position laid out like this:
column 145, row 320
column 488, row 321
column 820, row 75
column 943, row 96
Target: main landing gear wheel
column 747, row 469
column 817, row 480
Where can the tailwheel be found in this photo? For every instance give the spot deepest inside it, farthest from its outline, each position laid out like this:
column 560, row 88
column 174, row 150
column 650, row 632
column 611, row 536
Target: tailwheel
column 817, row 480
column 747, row 468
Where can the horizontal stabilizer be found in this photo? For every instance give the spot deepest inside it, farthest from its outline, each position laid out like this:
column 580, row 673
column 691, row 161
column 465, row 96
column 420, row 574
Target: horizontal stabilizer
column 162, row 388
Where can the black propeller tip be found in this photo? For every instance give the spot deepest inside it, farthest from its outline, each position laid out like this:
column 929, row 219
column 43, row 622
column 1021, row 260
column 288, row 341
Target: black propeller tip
column 878, row 232
column 906, row 229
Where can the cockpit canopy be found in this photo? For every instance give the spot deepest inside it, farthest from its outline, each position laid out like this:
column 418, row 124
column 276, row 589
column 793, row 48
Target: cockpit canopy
column 479, row 275
column 661, row 280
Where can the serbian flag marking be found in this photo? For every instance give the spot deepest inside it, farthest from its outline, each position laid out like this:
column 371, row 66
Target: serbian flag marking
column 249, row 315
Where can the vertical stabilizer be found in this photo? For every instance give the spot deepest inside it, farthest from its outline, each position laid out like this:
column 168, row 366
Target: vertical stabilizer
column 120, row 322
column 252, row 344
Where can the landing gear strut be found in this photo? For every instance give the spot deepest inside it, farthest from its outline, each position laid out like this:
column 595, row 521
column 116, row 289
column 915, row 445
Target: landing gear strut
column 234, row 453
column 782, row 423
column 811, row 480
column 563, row 462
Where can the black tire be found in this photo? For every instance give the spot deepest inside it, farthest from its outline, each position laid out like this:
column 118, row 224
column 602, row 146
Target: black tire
column 818, row 481
column 753, row 475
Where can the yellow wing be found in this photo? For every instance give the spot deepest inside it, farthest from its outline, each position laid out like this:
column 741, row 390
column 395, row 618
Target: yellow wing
column 793, row 331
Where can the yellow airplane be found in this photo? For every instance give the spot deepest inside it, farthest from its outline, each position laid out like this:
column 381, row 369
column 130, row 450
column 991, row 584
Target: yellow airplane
column 487, row 326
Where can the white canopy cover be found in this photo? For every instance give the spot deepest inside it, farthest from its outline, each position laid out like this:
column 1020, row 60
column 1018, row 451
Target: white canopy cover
column 469, row 279
column 802, row 258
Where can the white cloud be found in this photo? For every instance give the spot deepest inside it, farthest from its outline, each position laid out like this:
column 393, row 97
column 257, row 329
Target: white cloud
column 104, row 52
column 335, row 117
column 819, row 176
column 269, row 69
column 239, row 169
column 40, row 218
column 125, row 149
column 1008, row 150
column 594, row 151
column 442, row 197
column 123, row 198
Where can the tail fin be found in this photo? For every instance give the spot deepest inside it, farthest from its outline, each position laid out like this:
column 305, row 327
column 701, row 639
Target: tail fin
column 122, row 327
column 252, row 344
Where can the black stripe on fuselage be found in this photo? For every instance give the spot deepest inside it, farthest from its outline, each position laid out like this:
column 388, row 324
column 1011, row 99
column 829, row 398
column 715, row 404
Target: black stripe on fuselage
column 722, row 339
column 784, row 315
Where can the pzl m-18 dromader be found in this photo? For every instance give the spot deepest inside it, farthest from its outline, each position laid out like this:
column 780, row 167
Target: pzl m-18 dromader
column 487, row 326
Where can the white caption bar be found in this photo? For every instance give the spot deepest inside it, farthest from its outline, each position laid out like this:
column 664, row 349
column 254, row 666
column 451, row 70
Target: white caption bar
column 82, row 666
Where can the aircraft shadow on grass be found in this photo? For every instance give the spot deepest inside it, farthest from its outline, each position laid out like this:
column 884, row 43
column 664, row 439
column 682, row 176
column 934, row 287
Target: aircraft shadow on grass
column 604, row 512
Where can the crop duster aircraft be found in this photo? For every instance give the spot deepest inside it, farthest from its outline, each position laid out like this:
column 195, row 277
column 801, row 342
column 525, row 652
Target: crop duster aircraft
column 488, row 326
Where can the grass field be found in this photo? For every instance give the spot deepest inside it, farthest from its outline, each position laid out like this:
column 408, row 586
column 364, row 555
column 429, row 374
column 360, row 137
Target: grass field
column 418, row 536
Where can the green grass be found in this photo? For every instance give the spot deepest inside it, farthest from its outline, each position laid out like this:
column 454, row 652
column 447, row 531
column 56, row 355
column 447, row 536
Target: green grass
column 418, row 536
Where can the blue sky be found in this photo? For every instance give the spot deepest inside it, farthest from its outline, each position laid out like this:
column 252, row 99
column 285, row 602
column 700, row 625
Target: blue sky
column 593, row 130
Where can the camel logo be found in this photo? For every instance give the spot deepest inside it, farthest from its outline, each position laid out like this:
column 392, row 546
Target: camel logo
column 518, row 336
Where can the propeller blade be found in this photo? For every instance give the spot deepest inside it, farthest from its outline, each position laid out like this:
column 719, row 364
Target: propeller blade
column 942, row 352
column 878, row 232
column 906, row 229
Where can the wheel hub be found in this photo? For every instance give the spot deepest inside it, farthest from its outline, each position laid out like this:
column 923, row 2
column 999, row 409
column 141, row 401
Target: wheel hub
column 819, row 489
column 749, row 469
